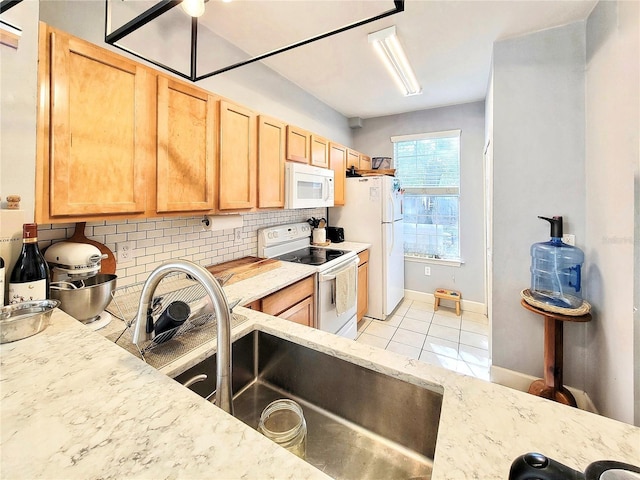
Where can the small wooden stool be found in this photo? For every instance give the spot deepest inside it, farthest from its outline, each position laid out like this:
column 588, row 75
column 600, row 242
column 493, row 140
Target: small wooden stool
column 442, row 293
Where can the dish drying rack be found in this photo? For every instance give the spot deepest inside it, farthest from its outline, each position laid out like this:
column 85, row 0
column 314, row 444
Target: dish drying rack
column 174, row 287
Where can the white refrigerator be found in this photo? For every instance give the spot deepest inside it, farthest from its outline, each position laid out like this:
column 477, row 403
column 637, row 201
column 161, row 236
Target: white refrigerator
column 373, row 214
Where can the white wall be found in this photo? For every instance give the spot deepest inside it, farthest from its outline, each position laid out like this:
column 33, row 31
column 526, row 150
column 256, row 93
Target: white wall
column 612, row 166
column 538, row 165
column 254, row 86
column 18, row 93
column 374, row 138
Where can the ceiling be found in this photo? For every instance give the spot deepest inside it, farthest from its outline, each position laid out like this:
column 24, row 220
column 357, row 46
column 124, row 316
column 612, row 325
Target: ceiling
column 449, row 44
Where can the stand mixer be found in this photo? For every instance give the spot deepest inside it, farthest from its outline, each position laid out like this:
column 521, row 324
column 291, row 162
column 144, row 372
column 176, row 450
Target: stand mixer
column 84, row 293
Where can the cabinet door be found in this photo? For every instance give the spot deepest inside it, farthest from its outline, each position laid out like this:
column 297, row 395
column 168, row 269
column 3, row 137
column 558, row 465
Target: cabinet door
column 237, row 165
column 353, row 159
column 365, row 162
column 301, row 313
column 102, row 130
column 319, row 151
column 337, row 163
column 255, row 305
column 186, row 147
column 298, row 145
column 363, row 285
column 271, row 162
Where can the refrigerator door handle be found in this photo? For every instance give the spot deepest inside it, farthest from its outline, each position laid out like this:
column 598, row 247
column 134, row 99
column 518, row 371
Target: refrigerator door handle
column 393, row 241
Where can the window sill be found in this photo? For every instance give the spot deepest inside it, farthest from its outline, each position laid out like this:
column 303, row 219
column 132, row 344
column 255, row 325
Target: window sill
column 434, row 261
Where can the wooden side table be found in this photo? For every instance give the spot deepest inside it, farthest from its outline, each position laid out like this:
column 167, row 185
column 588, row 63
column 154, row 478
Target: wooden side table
column 551, row 386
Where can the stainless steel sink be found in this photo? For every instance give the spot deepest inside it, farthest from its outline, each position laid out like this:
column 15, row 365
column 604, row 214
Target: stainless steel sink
column 361, row 424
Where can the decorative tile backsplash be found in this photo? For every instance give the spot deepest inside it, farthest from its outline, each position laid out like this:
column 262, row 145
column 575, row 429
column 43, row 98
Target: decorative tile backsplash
column 156, row 240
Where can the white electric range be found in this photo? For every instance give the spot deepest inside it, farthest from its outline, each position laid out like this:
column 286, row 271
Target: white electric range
column 292, row 243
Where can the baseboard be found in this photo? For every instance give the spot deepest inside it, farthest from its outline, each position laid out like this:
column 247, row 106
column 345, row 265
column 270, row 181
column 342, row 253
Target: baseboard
column 465, row 305
column 521, row 381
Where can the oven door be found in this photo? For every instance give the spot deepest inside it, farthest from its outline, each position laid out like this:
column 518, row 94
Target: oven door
column 328, row 319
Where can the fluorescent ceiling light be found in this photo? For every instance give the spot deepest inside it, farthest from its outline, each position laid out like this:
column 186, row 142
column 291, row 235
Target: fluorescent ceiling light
column 388, row 47
column 195, row 8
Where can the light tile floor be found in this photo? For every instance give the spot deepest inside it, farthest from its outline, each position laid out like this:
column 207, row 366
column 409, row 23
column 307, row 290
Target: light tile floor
column 442, row 338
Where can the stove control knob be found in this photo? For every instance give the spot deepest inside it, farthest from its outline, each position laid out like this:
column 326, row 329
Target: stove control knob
column 275, row 234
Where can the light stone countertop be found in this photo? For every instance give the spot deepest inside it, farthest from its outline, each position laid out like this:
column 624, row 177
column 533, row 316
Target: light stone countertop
column 75, row 405
column 266, row 283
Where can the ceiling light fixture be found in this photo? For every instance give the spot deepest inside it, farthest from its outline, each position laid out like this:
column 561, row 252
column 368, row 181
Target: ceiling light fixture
column 386, row 44
column 114, row 37
column 195, row 8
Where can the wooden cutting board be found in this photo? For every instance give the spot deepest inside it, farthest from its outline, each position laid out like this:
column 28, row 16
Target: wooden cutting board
column 108, row 264
column 243, row 268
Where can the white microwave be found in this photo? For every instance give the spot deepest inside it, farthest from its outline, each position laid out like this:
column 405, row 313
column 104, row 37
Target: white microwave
column 307, row 186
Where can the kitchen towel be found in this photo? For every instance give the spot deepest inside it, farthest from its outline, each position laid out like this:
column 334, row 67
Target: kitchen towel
column 345, row 290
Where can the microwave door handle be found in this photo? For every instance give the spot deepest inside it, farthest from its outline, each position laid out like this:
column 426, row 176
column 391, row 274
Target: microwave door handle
column 327, row 187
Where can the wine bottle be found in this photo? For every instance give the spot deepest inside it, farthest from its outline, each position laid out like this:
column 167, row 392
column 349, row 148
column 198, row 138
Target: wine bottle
column 1, row 282
column 30, row 276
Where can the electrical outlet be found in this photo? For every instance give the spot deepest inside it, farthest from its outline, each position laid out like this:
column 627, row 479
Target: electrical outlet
column 124, row 251
column 427, row 270
column 238, row 235
column 569, row 239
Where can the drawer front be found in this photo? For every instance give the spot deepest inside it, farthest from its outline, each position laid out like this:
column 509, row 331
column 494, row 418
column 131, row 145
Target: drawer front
column 363, row 256
column 284, row 299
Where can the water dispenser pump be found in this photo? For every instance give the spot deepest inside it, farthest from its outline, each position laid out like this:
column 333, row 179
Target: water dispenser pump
column 556, row 270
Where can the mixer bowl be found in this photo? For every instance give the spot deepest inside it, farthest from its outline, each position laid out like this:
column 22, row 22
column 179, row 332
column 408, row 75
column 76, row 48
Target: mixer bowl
column 85, row 299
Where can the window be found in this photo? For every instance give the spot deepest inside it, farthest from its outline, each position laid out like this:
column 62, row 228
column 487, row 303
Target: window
column 428, row 166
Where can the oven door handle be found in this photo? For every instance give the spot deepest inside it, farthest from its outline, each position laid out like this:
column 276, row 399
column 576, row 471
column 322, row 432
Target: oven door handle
column 332, row 276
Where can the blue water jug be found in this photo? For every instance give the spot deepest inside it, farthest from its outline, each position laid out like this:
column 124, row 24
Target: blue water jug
column 556, row 270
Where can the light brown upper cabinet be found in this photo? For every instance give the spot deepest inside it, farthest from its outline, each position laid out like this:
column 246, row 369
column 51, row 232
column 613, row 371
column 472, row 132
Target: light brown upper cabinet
column 337, row 163
column 298, row 145
column 365, row 162
column 237, row 161
column 186, row 147
column 272, row 136
column 96, row 131
column 319, row 151
column 353, row 159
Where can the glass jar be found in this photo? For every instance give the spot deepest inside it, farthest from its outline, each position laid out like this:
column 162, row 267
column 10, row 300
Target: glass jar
column 283, row 422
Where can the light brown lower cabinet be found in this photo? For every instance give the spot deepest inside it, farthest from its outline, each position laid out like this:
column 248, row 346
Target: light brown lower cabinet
column 294, row 303
column 255, row 305
column 363, row 285
column 301, row 312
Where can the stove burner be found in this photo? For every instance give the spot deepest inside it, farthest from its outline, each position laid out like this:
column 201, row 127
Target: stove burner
column 312, row 260
column 311, row 256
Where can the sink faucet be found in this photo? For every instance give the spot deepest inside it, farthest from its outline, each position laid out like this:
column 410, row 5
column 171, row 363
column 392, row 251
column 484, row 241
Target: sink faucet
column 222, row 312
